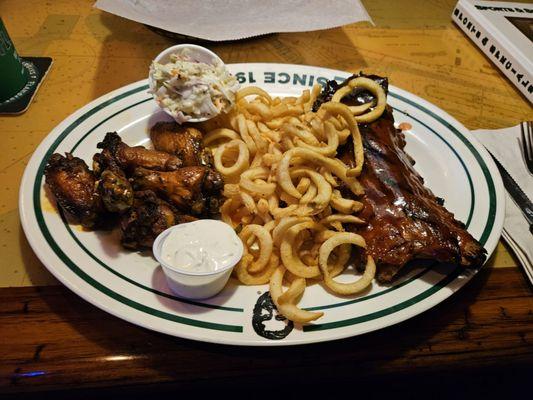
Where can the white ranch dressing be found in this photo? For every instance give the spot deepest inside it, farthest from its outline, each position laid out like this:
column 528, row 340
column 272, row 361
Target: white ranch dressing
column 201, row 247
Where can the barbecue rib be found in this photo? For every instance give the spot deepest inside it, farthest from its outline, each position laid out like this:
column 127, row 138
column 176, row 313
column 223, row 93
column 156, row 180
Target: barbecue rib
column 405, row 220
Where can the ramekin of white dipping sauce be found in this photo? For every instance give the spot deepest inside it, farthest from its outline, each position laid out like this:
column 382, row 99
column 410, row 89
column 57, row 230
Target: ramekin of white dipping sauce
column 198, row 257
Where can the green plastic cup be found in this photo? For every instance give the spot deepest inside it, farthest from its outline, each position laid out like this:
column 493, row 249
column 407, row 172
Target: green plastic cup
column 13, row 75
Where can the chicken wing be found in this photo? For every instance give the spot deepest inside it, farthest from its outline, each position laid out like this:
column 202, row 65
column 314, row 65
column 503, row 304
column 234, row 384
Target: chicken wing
column 148, row 217
column 113, row 185
column 191, row 189
column 74, row 187
column 128, row 158
column 183, row 141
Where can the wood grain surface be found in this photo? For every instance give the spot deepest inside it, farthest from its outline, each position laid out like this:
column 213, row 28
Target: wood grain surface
column 50, row 339
column 53, row 339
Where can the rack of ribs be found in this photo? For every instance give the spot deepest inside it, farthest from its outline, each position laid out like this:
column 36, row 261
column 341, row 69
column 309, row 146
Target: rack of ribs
column 405, row 220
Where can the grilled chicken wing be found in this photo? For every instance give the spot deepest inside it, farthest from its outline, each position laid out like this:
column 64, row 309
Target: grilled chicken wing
column 113, row 185
column 183, row 141
column 194, row 189
column 148, row 217
column 116, row 191
column 73, row 186
column 128, row 158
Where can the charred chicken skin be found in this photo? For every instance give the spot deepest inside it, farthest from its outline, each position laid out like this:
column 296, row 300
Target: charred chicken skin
column 113, row 185
column 115, row 191
column 74, row 187
column 191, row 189
column 128, row 158
column 148, row 217
column 183, row 141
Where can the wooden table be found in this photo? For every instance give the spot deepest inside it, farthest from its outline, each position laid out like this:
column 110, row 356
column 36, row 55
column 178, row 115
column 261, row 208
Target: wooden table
column 50, row 339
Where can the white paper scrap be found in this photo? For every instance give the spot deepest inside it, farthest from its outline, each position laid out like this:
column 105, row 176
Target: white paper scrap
column 218, row 20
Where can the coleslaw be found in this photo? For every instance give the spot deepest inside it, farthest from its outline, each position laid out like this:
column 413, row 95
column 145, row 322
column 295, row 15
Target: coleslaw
column 188, row 88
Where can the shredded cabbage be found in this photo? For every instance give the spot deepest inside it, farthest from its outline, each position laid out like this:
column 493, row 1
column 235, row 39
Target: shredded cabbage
column 191, row 89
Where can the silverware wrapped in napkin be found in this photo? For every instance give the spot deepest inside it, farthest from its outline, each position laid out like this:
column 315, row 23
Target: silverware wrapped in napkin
column 237, row 19
column 505, row 147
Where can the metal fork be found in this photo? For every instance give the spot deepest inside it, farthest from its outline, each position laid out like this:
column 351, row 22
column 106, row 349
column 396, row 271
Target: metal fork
column 526, row 131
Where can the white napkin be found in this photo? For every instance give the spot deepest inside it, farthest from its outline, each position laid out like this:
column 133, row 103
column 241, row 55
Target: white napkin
column 237, row 19
column 504, row 144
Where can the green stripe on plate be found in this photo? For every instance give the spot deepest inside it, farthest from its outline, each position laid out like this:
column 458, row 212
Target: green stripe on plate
column 490, row 183
column 371, row 296
column 105, row 120
column 390, row 310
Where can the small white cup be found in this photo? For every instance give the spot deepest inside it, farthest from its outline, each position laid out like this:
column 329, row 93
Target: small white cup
column 189, row 284
column 201, row 54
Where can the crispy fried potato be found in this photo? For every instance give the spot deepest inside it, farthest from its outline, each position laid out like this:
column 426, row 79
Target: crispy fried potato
column 285, row 302
column 283, row 189
column 324, row 252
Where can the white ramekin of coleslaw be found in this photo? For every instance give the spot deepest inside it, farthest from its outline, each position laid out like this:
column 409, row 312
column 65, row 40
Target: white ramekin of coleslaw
column 191, row 83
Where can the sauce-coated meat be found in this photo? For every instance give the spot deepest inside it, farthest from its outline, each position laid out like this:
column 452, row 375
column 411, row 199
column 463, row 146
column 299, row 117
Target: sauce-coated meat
column 405, row 221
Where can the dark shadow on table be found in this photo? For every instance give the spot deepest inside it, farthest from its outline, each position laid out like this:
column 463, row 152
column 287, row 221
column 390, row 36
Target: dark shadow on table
column 30, row 259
